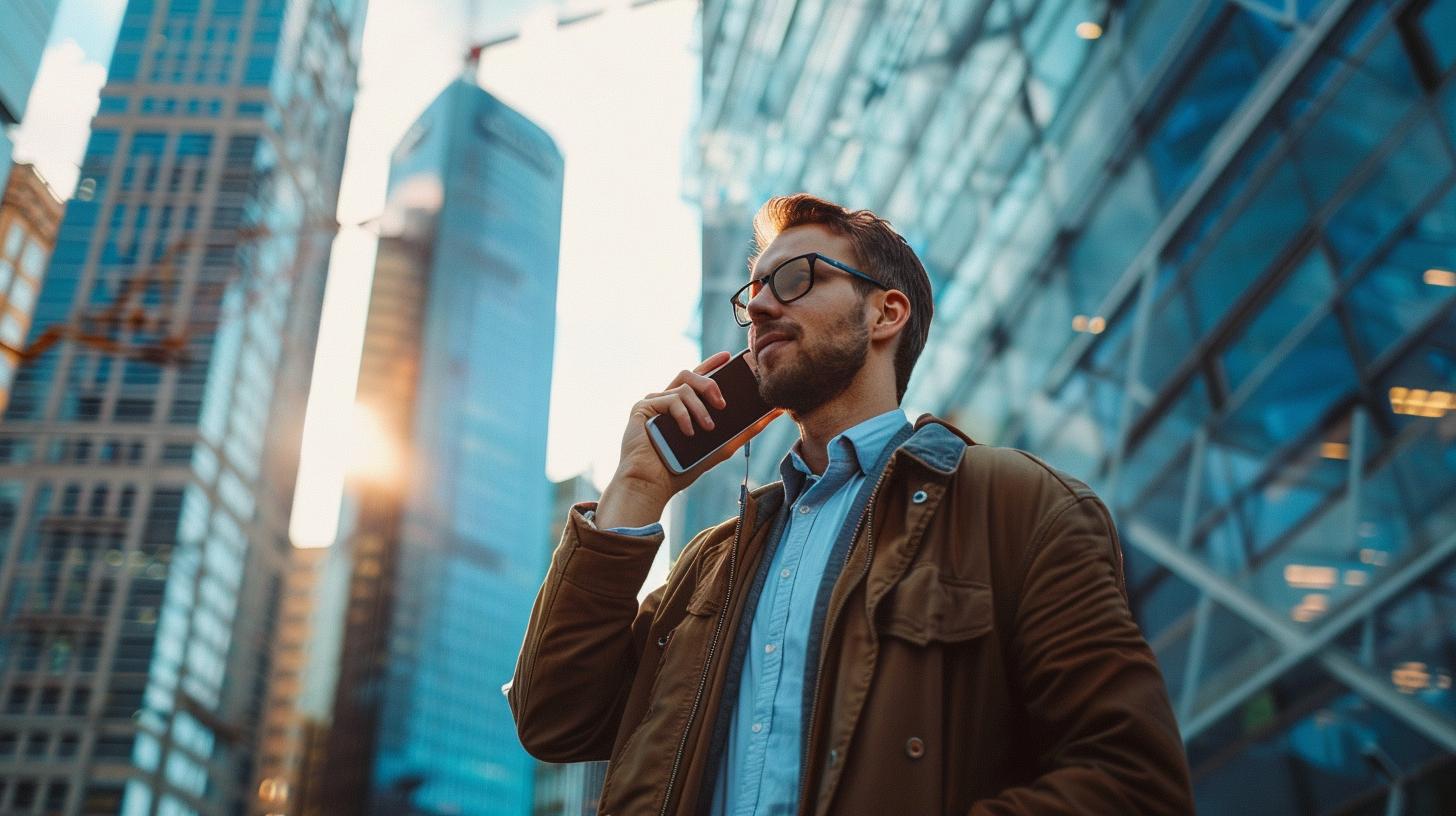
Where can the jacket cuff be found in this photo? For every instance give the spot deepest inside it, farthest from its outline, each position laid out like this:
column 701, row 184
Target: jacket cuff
column 645, row 530
column 608, row 563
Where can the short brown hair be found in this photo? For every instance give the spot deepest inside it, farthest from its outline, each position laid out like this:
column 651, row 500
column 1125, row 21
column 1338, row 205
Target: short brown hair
column 881, row 252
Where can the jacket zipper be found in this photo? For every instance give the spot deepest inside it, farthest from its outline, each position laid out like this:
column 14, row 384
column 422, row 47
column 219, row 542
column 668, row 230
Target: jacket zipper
column 869, row 515
column 712, row 649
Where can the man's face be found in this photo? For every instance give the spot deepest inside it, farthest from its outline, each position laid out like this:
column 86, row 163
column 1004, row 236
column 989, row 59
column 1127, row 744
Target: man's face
column 808, row 351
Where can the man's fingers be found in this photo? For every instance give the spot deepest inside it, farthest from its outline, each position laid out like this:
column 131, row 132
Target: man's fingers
column 695, row 405
column 680, row 413
column 712, row 362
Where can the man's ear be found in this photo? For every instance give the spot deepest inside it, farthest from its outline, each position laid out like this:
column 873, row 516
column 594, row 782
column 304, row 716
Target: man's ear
column 893, row 315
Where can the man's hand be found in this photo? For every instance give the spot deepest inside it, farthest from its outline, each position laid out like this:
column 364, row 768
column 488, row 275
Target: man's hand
column 642, row 485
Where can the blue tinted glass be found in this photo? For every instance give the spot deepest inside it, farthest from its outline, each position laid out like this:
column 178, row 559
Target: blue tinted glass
column 1112, row 237
column 1224, row 76
column 1307, row 289
column 1242, row 254
column 1296, row 391
column 1438, row 24
column 1399, row 186
column 1408, row 285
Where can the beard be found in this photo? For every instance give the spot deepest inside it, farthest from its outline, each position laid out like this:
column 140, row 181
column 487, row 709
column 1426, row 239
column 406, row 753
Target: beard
column 818, row 373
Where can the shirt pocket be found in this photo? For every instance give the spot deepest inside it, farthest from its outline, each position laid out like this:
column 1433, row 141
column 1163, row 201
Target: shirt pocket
column 928, row 606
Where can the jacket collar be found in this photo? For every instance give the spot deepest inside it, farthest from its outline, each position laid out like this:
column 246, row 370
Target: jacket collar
column 935, row 443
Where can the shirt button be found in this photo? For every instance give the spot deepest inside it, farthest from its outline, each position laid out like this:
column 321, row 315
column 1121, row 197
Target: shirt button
column 805, row 509
column 769, row 648
column 919, row 497
column 757, row 727
column 784, row 573
column 915, row 748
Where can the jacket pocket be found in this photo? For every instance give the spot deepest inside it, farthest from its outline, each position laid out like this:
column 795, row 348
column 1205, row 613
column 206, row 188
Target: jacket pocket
column 927, row 606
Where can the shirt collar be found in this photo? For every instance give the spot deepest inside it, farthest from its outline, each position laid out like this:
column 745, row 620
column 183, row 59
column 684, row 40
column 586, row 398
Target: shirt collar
column 861, row 444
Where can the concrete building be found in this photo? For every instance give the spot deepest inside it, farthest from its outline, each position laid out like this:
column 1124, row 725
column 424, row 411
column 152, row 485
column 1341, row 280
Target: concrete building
column 30, row 215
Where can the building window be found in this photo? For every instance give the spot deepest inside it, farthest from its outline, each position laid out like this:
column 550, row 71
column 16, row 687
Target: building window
column 32, row 261
column 22, row 295
column 13, row 240
column 11, row 332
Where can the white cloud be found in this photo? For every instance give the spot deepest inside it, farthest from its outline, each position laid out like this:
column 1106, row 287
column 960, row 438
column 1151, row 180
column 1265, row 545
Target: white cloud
column 58, row 120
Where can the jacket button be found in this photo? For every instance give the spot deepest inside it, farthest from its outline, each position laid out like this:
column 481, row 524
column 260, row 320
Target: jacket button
column 915, row 748
column 662, row 641
column 919, row 497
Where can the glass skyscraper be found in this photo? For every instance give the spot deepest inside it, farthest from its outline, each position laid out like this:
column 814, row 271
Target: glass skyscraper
column 24, row 26
column 1203, row 255
column 444, row 539
column 147, row 457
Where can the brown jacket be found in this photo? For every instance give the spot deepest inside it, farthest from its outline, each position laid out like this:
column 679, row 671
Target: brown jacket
column 978, row 655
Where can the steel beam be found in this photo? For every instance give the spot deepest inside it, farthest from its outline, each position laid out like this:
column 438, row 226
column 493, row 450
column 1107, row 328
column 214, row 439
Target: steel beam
column 1299, row 645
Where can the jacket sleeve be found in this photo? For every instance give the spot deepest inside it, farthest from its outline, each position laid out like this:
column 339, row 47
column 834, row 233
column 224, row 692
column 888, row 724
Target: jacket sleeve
column 1095, row 700
column 583, row 643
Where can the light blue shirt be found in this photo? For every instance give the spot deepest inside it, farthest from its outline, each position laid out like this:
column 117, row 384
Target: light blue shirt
column 760, row 772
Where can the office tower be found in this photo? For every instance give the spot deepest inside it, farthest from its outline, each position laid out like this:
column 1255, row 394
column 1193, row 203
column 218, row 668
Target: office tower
column 287, row 729
column 148, row 454
column 30, row 214
column 448, row 506
column 568, row 789
column 27, row 24
column 1201, row 255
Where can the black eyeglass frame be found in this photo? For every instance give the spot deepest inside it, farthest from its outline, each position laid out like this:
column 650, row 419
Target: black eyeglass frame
column 769, row 279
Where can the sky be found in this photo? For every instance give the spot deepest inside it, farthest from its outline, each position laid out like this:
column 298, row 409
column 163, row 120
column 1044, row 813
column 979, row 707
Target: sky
column 617, row 93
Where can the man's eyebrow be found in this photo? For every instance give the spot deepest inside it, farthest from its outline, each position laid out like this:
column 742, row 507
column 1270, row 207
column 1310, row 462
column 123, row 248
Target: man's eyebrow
column 755, row 266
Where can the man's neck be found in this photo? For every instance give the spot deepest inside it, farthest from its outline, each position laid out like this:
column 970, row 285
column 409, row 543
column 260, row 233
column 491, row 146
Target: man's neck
column 830, row 420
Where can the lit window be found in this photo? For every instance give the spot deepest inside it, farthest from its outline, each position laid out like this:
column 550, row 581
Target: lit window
column 11, row 332
column 13, row 239
column 22, row 297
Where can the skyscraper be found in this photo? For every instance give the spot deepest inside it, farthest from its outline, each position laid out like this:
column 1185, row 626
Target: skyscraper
column 570, row 789
column 1202, row 255
column 147, row 456
column 27, row 24
column 446, row 515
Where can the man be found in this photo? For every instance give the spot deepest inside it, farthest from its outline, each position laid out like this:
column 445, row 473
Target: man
column 907, row 623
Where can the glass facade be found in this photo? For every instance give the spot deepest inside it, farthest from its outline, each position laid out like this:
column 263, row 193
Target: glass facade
column 22, row 42
column 144, row 455
column 447, row 559
column 1200, row 255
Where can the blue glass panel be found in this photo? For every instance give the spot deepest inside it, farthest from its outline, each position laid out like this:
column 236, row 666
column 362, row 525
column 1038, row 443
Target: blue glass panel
column 1171, row 339
column 1407, row 177
column 1372, row 99
column 1438, row 23
column 1112, row 237
column 1308, row 287
column 1316, row 764
column 1241, row 256
column 1223, row 78
column 1296, row 392
column 1399, row 293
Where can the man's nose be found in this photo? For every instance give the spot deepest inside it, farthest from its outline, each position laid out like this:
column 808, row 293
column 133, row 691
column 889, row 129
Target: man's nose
column 764, row 305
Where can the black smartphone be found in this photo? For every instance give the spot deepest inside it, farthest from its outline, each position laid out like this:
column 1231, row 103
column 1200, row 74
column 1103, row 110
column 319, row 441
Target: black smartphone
column 680, row 452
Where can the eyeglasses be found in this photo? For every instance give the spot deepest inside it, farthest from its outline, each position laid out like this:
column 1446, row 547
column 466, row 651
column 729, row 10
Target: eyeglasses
column 789, row 281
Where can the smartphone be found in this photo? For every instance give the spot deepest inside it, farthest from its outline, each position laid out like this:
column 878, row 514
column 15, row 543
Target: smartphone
column 680, row 452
